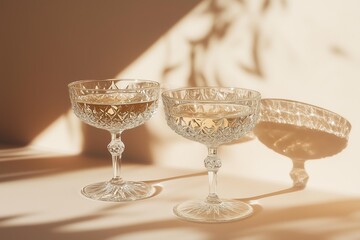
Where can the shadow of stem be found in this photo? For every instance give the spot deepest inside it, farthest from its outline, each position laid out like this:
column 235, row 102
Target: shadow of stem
column 271, row 194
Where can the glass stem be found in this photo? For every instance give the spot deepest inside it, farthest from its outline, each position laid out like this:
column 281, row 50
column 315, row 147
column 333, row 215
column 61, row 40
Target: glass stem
column 116, row 148
column 299, row 174
column 212, row 163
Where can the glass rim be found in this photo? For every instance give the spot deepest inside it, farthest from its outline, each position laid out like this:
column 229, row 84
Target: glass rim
column 256, row 97
column 308, row 105
column 72, row 85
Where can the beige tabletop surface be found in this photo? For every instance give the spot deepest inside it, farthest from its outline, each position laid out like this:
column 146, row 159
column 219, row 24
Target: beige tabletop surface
column 41, row 199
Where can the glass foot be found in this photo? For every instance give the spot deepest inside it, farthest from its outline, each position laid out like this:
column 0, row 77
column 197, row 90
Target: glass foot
column 202, row 211
column 118, row 190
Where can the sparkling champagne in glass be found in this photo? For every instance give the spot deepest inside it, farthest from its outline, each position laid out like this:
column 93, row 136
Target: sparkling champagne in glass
column 115, row 105
column 212, row 116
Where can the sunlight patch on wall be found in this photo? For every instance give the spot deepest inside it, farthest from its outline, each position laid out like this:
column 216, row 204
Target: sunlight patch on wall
column 213, row 45
column 64, row 135
column 194, row 52
column 295, row 50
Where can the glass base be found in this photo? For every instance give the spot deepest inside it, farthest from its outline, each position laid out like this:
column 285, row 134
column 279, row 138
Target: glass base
column 118, row 190
column 203, row 211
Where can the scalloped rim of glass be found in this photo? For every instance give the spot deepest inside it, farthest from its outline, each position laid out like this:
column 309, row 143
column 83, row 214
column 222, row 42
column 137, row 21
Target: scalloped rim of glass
column 313, row 106
column 257, row 95
column 72, row 85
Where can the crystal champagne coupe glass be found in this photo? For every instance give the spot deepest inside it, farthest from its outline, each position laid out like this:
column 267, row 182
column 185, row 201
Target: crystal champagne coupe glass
column 115, row 105
column 301, row 132
column 212, row 116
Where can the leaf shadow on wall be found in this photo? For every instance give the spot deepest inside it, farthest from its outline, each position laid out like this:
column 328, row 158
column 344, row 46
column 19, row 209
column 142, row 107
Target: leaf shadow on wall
column 219, row 32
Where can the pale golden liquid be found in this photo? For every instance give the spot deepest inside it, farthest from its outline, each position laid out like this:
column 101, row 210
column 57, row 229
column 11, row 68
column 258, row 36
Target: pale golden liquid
column 211, row 124
column 113, row 112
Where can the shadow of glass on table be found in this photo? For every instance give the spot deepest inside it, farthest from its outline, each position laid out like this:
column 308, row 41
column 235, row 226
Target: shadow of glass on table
column 157, row 181
column 265, row 224
column 157, row 184
column 301, row 132
column 28, row 163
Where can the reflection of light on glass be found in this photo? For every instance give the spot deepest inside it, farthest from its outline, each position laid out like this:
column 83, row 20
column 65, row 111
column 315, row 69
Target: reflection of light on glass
column 63, row 135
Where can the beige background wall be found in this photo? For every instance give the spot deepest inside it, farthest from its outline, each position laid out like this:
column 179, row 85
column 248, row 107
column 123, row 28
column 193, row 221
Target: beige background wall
column 301, row 50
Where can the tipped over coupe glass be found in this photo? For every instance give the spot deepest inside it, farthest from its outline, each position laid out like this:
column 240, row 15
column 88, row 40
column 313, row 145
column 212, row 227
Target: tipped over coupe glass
column 212, row 116
column 115, row 105
column 301, row 132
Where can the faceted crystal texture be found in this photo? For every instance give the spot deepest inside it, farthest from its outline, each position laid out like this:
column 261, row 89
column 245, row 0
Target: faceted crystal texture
column 212, row 163
column 116, row 147
column 301, row 132
column 225, row 211
column 109, row 106
column 212, row 116
column 115, row 105
column 117, row 190
column 304, row 115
